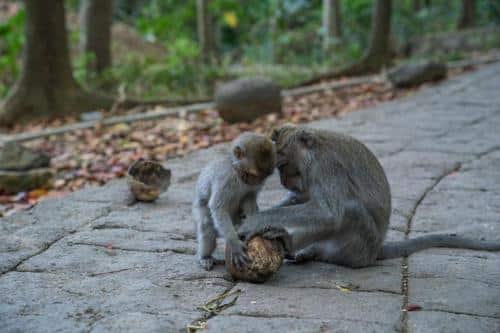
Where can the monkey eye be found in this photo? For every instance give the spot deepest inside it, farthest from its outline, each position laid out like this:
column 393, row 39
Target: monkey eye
column 238, row 153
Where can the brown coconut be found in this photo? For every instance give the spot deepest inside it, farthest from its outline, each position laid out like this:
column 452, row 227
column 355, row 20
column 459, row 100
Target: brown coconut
column 266, row 257
column 147, row 179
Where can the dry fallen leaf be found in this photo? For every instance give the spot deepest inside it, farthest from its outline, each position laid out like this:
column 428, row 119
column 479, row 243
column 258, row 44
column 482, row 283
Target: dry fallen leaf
column 37, row 193
column 412, row 307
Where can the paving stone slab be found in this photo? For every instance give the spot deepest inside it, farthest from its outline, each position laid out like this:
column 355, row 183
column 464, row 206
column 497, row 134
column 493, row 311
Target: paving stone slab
column 310, row 303
column 474, row 139
column 28, row 233
column 468, row 282
column 161, row 216
column 133, row 240
column 383, row 277
column 98, row 260
column 144, row 322
column 444, row 210
column 434, row 322
column 49, row 302
column 244, row 324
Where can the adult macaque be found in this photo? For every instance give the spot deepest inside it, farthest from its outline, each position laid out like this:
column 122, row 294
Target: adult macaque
column 228, row 188
column 339, row 204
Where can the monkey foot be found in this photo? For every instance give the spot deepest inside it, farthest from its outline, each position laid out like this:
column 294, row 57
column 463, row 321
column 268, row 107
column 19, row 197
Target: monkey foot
column 207, row 263
column 303, row 256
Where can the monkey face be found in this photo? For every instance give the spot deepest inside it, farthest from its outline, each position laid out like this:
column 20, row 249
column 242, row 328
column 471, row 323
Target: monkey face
column 290, row 178
column 292, row 156
column 254, row 158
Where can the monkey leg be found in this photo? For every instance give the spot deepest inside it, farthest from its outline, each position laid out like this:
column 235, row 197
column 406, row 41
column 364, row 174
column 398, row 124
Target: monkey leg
column 355, row 247
column 326, row 251
column 349, row 254
column 206, row 236
column 307, row 254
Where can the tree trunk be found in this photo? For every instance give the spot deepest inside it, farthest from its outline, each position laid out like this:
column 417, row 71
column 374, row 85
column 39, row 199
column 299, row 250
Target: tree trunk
column 332, row 21
column 417, row 5
column 467, row 14
column 46, row 87
column 378, row 53
column 126, row 9
column 205, row 32
column 95, row 32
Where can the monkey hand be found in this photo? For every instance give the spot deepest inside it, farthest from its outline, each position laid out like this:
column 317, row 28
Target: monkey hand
column 268, row 232
column 238, row 255
column 247, row 230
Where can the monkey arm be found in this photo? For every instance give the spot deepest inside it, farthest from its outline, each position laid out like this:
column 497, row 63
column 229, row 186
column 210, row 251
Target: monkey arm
column 249, row 204
column 306, row 223
column 223, row 222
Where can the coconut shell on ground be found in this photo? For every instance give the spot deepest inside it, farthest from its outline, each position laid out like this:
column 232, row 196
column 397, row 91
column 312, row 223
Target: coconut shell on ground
column 247, row 99
column 266, row 257
column 147, row 179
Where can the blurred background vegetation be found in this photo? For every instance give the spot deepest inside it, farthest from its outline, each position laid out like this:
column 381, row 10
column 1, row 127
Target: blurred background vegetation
column 156, row 52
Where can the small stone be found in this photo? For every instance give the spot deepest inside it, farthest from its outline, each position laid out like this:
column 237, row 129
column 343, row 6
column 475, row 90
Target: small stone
column 147, row 179
column 408, row 75
column 20, row 181
column 15, row 157
column 247, row 99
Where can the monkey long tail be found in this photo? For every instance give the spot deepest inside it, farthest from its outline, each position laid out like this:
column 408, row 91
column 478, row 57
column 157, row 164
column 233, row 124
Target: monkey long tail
column 405, row 248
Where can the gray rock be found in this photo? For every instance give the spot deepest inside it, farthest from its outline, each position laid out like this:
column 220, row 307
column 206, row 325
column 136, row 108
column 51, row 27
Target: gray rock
column 408, row 75
column 23, row 169
column 15, row 157
column 19, row 181
column 247, row 99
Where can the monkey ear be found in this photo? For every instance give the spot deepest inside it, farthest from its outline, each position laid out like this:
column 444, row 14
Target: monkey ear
column 307, row 139
column 238, row 152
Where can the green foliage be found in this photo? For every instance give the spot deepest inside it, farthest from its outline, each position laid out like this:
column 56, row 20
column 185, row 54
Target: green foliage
column 11, row 43
column 166, row 20
column 489, row 11
column 179, row 74
column 80, row 68
column 280, row 39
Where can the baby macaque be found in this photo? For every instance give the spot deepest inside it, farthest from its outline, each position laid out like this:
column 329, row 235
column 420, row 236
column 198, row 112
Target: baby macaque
column 227, row 190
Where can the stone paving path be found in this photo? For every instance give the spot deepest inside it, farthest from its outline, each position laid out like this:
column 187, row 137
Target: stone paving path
column 89, row 263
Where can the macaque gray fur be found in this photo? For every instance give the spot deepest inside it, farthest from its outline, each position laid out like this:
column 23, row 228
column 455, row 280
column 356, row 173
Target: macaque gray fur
column 339, row 202
column 226, row 190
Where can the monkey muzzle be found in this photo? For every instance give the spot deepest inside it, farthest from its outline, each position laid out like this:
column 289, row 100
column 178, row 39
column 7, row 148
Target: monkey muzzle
column 290, row 178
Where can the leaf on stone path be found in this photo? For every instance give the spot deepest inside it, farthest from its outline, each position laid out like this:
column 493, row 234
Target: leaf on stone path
column 20, row 197
column 37, row 193
column 346, row 286
column 59, row 183
column 412, row 307
column 197, row 325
